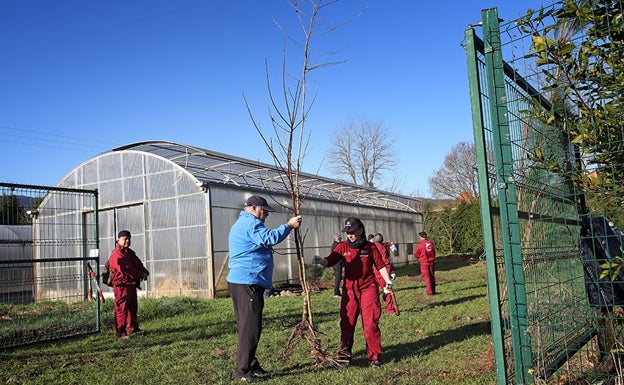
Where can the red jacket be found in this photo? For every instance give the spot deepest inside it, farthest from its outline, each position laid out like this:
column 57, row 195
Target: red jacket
column 126, row 267
column 358, row 263
column 425, row 251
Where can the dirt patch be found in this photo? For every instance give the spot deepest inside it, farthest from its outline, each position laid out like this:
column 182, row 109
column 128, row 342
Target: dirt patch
column 289, row 290
column 172, row 287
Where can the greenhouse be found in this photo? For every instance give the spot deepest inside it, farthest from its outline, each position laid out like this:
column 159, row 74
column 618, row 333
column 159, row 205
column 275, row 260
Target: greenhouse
column 180, row 201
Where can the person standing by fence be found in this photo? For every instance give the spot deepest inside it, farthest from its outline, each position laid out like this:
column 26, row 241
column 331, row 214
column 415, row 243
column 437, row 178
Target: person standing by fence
column 425, row 253
column 127, row 272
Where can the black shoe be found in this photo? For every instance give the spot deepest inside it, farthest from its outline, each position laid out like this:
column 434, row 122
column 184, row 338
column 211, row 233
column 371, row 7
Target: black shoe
column 257, row 370
column 375, row 363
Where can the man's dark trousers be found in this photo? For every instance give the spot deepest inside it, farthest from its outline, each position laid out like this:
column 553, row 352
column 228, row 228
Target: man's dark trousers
column 248, row 305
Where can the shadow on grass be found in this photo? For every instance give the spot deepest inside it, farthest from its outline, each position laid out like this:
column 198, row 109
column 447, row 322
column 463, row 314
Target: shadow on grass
column 105, row 341
column 395, row 353
column 436, row 341
column 431, row 305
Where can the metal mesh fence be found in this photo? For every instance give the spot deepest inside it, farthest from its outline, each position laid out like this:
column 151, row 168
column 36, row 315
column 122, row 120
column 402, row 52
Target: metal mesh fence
column 47, row 237
column 547, row 197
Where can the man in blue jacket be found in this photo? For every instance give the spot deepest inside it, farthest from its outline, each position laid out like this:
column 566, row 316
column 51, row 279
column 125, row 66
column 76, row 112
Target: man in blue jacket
column 251, row 272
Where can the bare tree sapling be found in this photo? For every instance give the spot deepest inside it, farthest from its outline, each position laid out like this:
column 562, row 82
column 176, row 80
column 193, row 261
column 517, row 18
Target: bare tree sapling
column 288, row 142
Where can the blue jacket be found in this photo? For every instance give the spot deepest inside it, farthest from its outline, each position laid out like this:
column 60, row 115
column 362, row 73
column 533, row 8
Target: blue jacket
column 251, row 257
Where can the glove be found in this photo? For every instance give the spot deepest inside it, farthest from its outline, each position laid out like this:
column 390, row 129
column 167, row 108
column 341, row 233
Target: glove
column 316, row 260
column 388, row 286
column 393, row 276
column 386, row 291
column 393, row 248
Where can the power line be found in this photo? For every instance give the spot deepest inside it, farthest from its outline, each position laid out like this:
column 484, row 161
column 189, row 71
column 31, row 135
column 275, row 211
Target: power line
column 47, row 140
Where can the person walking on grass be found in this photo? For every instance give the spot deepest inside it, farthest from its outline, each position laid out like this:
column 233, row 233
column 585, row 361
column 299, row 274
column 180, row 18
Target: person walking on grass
column 378, row 241
column 337, row 268
column 360, row 294
column 127, row 272
column 251, row 272
column 425, row 253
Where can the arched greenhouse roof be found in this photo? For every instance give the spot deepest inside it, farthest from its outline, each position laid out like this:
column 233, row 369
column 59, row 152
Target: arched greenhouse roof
column 212, row 167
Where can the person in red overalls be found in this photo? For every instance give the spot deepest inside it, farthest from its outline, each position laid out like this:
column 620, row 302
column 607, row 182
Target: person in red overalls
column 127, row 271
column 381, row 246
column 425, row 253
column 360, row 294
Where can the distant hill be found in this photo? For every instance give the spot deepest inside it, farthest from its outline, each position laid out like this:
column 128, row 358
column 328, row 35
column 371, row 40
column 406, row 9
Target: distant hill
column 25, row 201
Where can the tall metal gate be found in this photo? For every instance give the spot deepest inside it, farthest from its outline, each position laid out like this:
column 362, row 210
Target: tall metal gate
column 542, row 322
column 48, row 236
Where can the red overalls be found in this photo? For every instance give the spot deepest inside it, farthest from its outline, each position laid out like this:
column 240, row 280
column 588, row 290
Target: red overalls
column 381, row 282
column 360, row 296
column 127, row 270
column 425, row 253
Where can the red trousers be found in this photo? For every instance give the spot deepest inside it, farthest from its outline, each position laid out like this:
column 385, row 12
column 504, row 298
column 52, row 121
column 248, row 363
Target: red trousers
column 427, row 270
column 356, row 301
column 126, row 308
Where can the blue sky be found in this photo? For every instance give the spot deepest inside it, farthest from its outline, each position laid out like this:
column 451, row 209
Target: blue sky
column 80, row 78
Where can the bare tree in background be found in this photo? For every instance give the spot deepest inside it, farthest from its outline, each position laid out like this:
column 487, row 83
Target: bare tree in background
column 458, row 175
column 287, row 145
column 361, row 151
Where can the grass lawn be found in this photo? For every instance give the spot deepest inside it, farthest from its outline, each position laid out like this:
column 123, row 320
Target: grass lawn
column 443, row 339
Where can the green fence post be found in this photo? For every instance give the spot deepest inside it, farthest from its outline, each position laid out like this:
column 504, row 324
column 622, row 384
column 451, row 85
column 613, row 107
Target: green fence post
column 485, row 202
column 522, row 352
column 96, row 237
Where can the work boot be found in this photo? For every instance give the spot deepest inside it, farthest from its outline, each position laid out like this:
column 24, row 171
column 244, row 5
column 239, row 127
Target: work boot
column 375, row 363
column 343, row 357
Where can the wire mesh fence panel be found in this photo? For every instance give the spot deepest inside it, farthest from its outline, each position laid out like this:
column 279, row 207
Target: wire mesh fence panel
column 48, row 238
column 546, row 100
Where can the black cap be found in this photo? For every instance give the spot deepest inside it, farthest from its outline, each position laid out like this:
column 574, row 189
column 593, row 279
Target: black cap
column 423, row 234
column 352, row 224
column 256, row 200
column 124, row 233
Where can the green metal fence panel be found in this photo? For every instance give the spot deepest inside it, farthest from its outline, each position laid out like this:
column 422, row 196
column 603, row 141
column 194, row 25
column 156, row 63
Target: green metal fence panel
column 543, row 326
column 48, row 236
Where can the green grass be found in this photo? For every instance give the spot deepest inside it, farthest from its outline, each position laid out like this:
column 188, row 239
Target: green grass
column 443, row 339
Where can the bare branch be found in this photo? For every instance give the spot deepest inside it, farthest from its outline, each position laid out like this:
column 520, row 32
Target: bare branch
column 362, row 151
column 458, row 174
column 289, row 142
